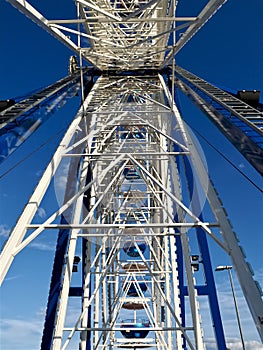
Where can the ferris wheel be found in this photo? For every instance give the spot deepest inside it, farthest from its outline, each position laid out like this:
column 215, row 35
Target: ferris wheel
column 139, row 208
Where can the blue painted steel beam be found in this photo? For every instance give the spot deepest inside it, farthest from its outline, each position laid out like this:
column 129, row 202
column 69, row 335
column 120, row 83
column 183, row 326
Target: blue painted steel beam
column 60, row 258
column 55, row 287
column 61, row 251
column 209, row 288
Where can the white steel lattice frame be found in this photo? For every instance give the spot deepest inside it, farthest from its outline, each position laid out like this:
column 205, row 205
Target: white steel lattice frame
column 116, row 149
column 125, row 35
column 135, row 186
column 129, row 130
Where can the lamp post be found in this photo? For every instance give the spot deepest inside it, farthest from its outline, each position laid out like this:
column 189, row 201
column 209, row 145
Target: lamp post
column 228, row 268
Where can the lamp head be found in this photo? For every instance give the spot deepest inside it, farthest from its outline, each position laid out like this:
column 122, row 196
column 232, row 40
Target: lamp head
column 221, row 268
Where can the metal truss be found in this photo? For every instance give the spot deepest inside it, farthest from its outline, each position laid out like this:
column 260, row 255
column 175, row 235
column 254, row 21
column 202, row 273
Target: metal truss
column 131, row 202
column 234, row 118
column 21, row 119
column 41, row 98
column 124, row 35
column 129, row 227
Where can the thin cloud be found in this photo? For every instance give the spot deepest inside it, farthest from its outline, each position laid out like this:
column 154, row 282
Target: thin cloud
column 27, row 333
column 235, row 344
column 11, row 278
column 61, row 176
column 60, row 181
column 259, row 276
column 4, row 231
column 41, row 213
column 228, row 314
column 73, row 312
column 42, row 246
column 39, row 172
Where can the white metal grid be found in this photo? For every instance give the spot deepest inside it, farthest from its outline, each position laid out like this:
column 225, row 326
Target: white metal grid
column 125, row 35
column 129, row 156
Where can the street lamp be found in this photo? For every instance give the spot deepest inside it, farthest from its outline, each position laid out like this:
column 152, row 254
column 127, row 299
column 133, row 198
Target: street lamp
column 228, row 268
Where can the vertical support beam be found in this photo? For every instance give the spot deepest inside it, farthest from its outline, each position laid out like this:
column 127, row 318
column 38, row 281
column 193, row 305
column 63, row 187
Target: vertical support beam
column 63, row 238
column 210, row 286
column 66, row 268
column 247, row 283
column 55, row 287
column 19, row 231
column 240, row 123
column 203, row 246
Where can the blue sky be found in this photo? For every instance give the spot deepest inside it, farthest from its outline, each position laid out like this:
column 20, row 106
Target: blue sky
column 228, row 51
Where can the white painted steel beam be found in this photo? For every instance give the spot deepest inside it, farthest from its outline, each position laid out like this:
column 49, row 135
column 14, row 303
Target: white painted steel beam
column 71, row 252
column 243, row 272
column 135, row 188
column 28, row 10
column 18, row 233
column 208, row 11
column 121, row 35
